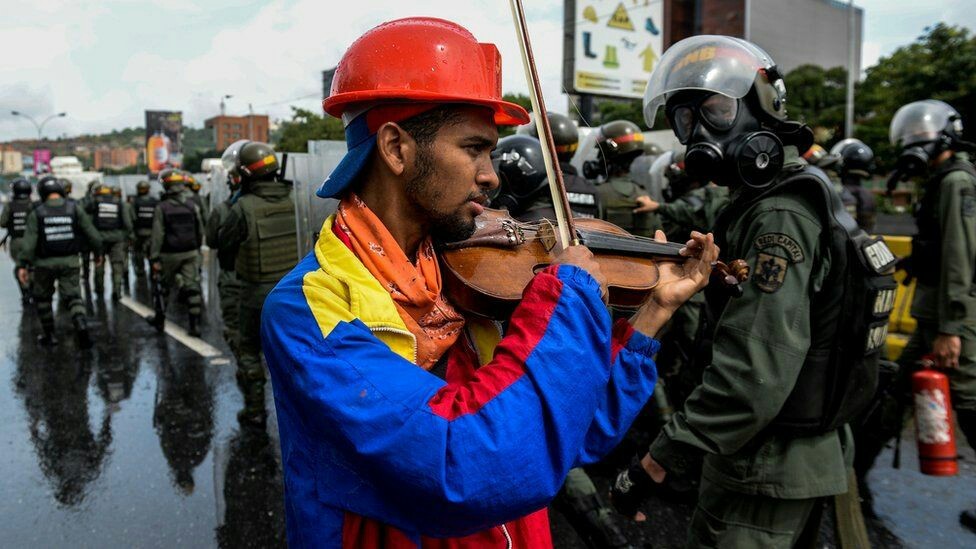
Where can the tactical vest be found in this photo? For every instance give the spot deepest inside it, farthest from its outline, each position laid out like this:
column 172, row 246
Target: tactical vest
column 180, row 227
column 19, row 208
column 926, row 263
column 848, row 316
column 145, row 207
column 618, row 196
column 57, row 230
column 271, row 248
column 108, row 213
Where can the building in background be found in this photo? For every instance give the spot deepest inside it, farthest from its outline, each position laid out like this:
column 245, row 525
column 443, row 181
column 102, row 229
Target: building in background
column 116, row 158
column 227, row 129
column 11, row 162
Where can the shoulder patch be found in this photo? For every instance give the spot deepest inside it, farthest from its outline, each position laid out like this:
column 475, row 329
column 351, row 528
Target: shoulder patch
column 969, row 203
column 769, row 240
column 770, row 272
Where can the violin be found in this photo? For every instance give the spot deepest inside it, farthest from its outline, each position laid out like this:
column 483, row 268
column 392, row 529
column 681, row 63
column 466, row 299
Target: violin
column 486, row 274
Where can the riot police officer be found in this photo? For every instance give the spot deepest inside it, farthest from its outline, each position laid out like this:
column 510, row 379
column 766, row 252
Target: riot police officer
column 14, row 219
column 228, row 287
column 174, row 247
column 929, row 136
column 260, row 227
column 194, row 187
column 141, row 219
column 581, row 193
column 855, row 164
column 114, row 222
column 767, row 423
column 624, row 201
column 52, row 238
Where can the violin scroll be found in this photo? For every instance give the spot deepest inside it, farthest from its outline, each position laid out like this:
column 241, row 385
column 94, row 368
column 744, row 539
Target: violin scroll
column 731, row 275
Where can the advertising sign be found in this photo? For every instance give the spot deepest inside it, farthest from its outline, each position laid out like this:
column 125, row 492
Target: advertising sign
column 612, row 45
column 164, row 140
column 42, row 161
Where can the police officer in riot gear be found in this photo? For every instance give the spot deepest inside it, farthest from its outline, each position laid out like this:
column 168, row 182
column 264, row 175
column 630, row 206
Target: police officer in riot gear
column 929, row 136
column 855, row 163
column 174, row 248
column 52, row 239
column 791, row 361
column 111, row 217
column 260, row 229
column 14, row 219
column 624, row 201
column 141, row 218
column 193, row 187
column 582, row 195
column 228, row 287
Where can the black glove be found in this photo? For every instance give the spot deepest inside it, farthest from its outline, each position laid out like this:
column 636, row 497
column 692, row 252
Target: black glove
column 631, row 488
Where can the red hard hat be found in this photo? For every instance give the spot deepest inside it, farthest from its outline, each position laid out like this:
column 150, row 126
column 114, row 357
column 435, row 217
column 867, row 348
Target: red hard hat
column 421, row 59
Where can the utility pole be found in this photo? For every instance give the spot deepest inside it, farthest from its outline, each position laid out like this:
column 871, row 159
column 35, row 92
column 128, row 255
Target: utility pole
column 851, row 59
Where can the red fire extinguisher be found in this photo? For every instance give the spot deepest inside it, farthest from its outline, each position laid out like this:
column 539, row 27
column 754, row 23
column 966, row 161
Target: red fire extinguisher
column 934, row 429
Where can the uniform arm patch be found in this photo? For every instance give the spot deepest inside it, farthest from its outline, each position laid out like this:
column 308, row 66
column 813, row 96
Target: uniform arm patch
column 792, row 249
column 770, row 272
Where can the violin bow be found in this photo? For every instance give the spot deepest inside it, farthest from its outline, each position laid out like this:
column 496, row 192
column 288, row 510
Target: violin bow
column 554, row 174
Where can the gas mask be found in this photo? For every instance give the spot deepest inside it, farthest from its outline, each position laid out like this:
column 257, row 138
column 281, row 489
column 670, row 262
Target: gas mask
column 726, row 142
column 914, row 160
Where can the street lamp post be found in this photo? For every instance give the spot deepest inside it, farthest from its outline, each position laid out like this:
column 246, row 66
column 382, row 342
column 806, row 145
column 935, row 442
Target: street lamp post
column 40, row 127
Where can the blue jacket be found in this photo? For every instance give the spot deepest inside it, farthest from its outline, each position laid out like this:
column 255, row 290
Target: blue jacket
column 365, row 432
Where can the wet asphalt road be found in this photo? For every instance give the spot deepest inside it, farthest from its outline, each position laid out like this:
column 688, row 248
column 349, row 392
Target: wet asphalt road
column 136, row 444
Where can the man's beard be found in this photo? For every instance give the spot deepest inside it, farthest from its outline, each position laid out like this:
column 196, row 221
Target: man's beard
column 444, row 228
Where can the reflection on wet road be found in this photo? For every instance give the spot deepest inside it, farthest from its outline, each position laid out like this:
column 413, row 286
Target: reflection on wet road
column 135, row 443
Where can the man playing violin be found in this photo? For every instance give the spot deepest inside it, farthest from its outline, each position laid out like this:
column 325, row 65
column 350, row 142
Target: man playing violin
column 403, row 422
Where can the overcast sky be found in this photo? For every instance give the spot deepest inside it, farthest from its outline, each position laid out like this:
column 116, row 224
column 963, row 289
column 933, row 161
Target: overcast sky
column 105, row 62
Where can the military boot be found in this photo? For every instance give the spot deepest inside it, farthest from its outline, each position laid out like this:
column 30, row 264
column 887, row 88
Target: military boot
column 47, row 338
column 253, row 412
column 194, row 325
column 81, row 331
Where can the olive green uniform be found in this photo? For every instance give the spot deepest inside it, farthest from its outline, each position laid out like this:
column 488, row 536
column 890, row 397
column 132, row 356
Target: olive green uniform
column 179, row 269
column 228, row 286
column 14, row 243
column 62, row 270
column 114, row 244
column 260, row 226
column 140, row 235
column 618, row 195
column 760, row 487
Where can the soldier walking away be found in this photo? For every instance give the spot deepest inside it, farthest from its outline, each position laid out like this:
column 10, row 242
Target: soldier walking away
column 260, row 228
column 228, row 287
column 855, row 164
column 174, row 248
column 790, row 362
column 52, row 238
column 194, row 187
column 624, row 201
column 580, row 192
column 141, row 218
column 928, row 135
column 114, row 222
column 86, row 204
column 14, row 219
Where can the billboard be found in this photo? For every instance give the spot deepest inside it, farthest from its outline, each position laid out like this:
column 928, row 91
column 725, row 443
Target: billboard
column 164, row 140
column 611, row 46
column 42, row 161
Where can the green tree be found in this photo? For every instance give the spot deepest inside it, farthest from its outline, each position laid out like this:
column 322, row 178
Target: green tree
column 940, row 64
column 305, row 126
column 816, row 97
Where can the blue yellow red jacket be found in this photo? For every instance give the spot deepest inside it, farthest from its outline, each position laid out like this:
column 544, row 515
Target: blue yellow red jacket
column 379, row 452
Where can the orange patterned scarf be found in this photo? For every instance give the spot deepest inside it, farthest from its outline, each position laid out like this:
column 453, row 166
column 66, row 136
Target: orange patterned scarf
column 414, row 287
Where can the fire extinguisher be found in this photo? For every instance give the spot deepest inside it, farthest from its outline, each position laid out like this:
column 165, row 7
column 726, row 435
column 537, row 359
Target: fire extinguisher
column 934, row 429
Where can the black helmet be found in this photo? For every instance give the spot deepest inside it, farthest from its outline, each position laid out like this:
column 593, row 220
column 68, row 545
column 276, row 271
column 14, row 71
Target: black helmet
column 49, row 184
column 251, row 160
column 173, row 180
column 21, row 188
column 620, row 142
column 856, row 158
column 521, row 170
column 565, row 135
column 142, row 188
